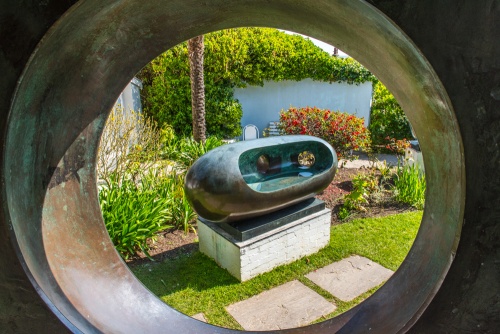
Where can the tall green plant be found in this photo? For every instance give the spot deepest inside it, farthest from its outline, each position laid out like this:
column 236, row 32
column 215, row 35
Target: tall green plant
column 182, row 215
column 410, row 185
column 134, row 211
column 186, row 151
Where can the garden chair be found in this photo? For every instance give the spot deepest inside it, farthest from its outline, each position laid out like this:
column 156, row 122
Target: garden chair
column 250, row 132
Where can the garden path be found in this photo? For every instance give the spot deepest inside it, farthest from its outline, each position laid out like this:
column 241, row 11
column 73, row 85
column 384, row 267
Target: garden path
column 294, row 304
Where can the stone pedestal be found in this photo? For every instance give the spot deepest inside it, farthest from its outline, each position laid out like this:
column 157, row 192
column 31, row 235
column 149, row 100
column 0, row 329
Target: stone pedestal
column 256, row 246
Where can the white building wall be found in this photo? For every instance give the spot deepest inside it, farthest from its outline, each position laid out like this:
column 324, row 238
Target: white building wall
column 128, row 101
column 262, row 105
column 130, row 97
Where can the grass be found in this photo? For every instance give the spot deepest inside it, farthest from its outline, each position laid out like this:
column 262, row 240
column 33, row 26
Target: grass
column 194, row 283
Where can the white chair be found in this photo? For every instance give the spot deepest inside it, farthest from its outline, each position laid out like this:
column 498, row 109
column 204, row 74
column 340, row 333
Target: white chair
column 250, row 132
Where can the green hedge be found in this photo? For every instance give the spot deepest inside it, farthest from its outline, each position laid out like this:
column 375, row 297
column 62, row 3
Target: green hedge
column 387, row 119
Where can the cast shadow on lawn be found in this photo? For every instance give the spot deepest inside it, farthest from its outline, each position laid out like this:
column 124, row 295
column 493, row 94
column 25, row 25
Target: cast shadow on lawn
column 192, row 270
column 161, row 256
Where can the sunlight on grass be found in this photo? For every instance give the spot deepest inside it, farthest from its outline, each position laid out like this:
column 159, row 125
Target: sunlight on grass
column 195, row 283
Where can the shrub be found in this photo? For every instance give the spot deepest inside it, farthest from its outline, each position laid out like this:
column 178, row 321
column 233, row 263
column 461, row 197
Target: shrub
column 343, row 131
column 134, row 211
column 387, row 119
column 355, row 200
column 398, row 147
column 186, row 151
column 129, row 143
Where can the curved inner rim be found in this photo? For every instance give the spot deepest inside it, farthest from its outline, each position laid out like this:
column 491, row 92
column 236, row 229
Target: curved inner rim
column 51, row 192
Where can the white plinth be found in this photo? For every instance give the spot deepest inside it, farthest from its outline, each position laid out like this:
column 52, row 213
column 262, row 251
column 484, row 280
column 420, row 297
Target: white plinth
column 260, row 254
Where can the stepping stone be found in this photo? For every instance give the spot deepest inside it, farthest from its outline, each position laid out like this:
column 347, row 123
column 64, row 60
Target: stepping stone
column 287, row 306
column 199, row 316
column 350, row 277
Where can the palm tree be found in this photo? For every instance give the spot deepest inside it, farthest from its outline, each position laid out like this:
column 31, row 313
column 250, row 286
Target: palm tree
column 196, row 47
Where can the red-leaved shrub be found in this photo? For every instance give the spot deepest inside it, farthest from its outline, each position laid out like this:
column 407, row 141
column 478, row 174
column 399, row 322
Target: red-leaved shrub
column 345, row 132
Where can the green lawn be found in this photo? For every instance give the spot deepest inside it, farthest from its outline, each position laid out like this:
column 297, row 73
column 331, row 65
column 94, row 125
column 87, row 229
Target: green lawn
column 195, row 283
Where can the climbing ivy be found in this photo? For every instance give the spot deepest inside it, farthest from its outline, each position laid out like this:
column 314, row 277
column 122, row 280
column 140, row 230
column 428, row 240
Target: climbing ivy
column 236, row 58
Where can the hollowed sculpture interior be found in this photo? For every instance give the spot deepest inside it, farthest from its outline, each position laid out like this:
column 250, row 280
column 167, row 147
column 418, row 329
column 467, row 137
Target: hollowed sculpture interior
column 252, row 178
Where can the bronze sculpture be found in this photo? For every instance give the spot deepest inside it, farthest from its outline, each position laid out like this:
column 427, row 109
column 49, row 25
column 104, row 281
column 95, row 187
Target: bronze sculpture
column 251, row 178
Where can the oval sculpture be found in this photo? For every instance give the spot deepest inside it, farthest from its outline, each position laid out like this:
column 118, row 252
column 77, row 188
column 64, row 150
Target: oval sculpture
column 251, row 178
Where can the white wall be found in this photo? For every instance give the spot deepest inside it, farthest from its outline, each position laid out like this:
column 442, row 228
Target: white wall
column 130, row 97
column 262, row 105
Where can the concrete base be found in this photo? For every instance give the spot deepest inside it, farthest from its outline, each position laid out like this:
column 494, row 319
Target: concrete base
column 262, row 253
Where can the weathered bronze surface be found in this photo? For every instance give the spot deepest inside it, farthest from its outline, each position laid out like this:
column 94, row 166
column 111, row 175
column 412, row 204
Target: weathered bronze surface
column 88, row 283
column 92, row 52
column 251, row 178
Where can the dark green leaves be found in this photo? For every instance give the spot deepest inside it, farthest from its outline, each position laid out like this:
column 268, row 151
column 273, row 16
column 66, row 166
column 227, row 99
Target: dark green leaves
column 387, row 119
column 134, row 210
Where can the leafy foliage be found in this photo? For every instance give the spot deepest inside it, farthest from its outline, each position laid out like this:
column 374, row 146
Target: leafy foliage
column 356, row 198
column 343, row 131
column 186, row 151
column 182, row 214
column 134, row 211
column 404, row 184
column 140, row 194
column 410, row 185
column 387, row 119
column 397, row 146
column 235, row 58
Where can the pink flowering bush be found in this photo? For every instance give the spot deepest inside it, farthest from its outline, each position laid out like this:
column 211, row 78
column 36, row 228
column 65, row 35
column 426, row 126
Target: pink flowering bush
column 345, row 132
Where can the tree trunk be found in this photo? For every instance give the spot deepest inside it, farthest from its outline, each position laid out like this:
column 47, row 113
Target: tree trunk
column 195, row 50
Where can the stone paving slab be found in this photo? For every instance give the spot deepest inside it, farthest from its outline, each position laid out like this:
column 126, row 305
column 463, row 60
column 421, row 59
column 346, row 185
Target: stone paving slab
column 350, row 277
column 200, row 317
column 287, row 306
